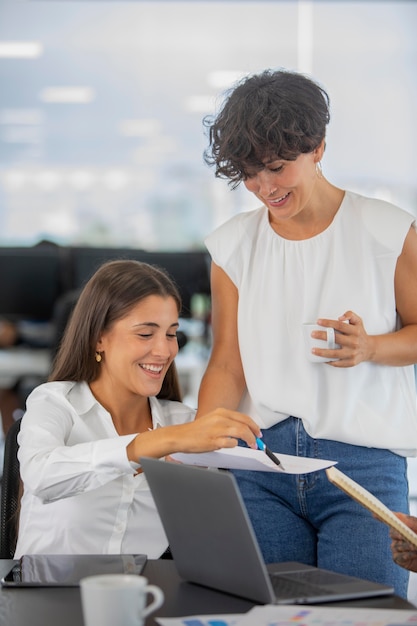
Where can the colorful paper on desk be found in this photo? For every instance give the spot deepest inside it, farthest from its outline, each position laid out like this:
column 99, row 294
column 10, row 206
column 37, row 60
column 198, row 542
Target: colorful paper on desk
column 199, row 620
column 256, row 460
column 272, row 615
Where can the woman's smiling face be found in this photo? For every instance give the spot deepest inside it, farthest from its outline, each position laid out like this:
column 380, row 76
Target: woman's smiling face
column 285, row 187
column 139, row 348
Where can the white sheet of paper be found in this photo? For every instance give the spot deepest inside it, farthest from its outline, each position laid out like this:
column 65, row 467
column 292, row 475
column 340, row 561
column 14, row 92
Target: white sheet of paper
column 273, row 615
column 256, row 460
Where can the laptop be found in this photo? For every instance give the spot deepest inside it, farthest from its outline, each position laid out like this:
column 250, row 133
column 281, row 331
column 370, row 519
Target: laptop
column 213, row 542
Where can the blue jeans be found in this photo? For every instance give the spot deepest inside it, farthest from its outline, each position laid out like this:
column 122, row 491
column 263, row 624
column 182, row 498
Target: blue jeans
column 305, row 518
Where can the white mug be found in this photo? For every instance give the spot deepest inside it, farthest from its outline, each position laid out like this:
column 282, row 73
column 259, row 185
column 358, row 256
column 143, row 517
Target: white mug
column 325, row 344
column 117, row 599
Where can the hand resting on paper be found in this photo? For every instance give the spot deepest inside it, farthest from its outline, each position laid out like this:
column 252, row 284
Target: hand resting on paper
column 221, row 428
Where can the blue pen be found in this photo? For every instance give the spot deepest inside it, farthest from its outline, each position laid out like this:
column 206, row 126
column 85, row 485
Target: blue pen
column 268, row 452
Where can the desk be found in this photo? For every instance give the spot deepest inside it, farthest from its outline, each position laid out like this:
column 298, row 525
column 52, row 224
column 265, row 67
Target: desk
column 43, row 607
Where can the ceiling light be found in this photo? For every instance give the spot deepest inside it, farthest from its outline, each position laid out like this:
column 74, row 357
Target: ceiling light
column 14, row 179
column 67, row 95
column 81, row 179
column 140, row 127
column 20, row 49
column 116, row 179
column 23, row 117
column 47, row 180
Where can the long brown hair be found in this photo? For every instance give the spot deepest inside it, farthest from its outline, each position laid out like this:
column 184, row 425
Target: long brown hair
column 109, row 295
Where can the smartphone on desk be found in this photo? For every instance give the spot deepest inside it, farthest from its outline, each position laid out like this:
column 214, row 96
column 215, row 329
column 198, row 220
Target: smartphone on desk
column 66, row 570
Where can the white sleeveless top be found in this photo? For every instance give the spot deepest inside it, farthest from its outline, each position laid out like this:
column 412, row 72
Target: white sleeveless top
column 283, row 283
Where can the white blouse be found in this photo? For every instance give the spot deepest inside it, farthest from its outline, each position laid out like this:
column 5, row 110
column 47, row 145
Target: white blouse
column 81, row 494
column 283, row 283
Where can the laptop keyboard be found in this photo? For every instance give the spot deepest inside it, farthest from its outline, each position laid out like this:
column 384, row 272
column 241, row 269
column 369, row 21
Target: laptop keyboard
column 306, row 583
column 288, row 588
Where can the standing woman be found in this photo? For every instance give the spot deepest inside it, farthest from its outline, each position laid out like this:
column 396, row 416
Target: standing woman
column 312, row 253
column 112, row 398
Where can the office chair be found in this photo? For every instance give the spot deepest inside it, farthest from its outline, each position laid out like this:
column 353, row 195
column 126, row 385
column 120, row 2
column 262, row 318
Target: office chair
column 10, row 493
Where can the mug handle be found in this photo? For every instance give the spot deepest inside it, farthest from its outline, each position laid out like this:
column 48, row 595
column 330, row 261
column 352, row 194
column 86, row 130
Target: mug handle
column 158, row 599
column 331, row 338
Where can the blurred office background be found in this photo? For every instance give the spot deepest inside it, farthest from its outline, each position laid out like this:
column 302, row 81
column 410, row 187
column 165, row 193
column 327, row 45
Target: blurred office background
column 101, row 107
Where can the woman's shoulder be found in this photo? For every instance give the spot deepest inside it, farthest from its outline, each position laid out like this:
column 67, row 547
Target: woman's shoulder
column 56, row 393
column 57, row 387
column 51, row 403
column 230, row 243
column 377, row 207
column 386, row 221
column 242, row 222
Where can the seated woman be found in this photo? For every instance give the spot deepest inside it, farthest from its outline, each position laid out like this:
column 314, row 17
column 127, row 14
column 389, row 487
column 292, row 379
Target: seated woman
column 112, row 398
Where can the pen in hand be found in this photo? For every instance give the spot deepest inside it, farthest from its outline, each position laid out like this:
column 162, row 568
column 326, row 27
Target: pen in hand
column 268, row 453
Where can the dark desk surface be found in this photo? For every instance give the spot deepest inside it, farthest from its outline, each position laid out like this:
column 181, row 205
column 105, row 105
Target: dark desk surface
column 46, row 607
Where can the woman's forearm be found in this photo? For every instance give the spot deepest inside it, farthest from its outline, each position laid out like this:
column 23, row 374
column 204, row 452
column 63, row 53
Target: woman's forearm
column 220, row 387
column 397, row 349
column 221, row 428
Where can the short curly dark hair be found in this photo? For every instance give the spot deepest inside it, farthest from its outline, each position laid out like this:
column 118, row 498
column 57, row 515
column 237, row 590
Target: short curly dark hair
column 277, row 113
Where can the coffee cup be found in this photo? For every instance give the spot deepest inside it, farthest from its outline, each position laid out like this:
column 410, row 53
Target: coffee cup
column 110, row 599
column 324, row 344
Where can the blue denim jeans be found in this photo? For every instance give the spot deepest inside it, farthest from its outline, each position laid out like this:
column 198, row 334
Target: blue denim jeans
column 305, row 518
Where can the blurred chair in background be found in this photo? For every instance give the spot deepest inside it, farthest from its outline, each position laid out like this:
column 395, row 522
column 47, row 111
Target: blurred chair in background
column 9, row 397
column 10, row 494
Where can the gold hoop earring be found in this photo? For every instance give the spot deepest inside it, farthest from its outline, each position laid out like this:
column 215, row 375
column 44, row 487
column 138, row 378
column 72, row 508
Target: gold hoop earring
column 98, row 357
